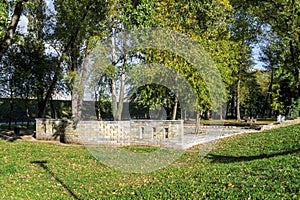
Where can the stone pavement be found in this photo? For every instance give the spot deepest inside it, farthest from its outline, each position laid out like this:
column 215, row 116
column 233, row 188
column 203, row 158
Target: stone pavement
column 208, row 135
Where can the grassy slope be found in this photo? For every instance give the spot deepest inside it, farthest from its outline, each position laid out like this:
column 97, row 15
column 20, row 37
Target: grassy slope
column 256, row 166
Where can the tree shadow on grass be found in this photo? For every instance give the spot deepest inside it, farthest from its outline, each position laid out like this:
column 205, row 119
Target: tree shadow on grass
column 42, row 164
column 233, row 159
column 9, row 138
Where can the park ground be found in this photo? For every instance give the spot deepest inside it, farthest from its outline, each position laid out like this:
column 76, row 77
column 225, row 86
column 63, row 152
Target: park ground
column 261, row 165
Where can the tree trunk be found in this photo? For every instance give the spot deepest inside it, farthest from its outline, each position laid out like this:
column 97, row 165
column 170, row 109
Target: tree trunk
column 232, row 104
column 83, row 82
column 197, row 125
column 113, row 99
column 207, row 114
column 175, row 106
column 117, row 107
column 76, row 89
column 7, row 41
column 238, row 114
column 221, row 112
column 112, row 83
column 11, row 110
column 268, row 96
column 121, row 97
column 74, row 100
column 27, row 112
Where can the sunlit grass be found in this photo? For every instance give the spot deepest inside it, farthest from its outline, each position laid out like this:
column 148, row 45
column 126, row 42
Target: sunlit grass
column 261, row 165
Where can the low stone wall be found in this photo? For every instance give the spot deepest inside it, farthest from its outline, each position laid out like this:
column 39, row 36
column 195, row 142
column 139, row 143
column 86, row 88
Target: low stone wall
column 282, row 124
column 147, row 132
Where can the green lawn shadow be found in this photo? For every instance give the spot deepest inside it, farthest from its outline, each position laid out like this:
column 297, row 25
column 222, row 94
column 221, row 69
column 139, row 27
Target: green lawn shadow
column 233, row 159
column 42, row 164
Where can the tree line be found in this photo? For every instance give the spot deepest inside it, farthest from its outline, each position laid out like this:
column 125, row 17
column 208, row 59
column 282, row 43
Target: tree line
column 51, row 55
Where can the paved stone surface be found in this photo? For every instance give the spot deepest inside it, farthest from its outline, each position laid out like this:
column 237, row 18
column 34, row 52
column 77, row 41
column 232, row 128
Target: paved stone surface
column 191, row 139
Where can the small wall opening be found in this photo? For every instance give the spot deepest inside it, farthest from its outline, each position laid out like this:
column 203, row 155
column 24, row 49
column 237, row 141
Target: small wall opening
column 153, row 132
column 142, row 131
column 166, row 133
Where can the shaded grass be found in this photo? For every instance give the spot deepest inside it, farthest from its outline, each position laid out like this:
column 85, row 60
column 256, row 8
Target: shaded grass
column 261, row 165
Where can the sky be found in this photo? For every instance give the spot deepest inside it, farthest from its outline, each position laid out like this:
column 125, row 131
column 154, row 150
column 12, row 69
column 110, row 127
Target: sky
column 256, row 52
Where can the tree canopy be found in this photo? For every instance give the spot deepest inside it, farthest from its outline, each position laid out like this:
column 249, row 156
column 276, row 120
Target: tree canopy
column 52, row 56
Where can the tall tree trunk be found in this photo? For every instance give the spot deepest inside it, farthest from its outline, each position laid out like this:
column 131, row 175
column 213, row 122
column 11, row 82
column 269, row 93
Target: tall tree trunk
column 121, row 97
column 113, row 98
column 27, row 112
column 174, row 113
column 207, row 114
column 74, row 100
column 268, row 96
column 10, row 32
column 11, row 109
column 117, row 107
column 238, row 96
column 232, row 103
column 98, row 109
column 83, row 82
column 76, row 81
column 221, row 111
column 114, row 105
column 197, row 125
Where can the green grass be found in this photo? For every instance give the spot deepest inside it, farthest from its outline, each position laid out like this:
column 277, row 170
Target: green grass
column 140, row 149
column 261, row 165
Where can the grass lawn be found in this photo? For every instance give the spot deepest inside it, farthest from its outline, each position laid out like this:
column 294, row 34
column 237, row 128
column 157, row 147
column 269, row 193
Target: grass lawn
column 263, row 165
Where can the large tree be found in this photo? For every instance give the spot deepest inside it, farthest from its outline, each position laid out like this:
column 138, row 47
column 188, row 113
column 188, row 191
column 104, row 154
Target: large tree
column 207, row 24
column 76, row 23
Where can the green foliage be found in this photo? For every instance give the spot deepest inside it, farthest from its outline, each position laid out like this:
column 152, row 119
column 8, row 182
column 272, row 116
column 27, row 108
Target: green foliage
column 294, row 109
column 153, row 95
column 3, row 18
column 226, row 29
column 205, row 23
column 261, row 165
column 283, row 22
column 253, row 92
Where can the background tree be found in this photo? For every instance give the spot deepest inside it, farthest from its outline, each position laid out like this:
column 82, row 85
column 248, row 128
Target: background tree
column 281, row 18
column 245, row 30
column 76, row 23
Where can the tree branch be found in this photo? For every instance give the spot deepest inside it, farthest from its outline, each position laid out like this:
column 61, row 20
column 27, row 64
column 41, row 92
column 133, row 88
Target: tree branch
column 10, row 32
